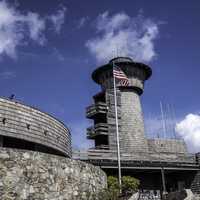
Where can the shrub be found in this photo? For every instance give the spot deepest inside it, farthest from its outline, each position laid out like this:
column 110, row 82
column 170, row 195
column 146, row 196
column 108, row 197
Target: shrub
column 129, row 186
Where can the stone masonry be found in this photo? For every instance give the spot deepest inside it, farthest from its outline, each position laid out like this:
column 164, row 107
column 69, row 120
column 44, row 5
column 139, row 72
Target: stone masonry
column 132, row 122
column 34, row 175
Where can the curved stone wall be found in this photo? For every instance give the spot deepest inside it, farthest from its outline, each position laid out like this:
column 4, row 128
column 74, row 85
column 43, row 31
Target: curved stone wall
column 29, row 124
column 34, row 175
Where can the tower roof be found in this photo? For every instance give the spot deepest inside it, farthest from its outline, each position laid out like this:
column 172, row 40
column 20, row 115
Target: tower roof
column 121, row 61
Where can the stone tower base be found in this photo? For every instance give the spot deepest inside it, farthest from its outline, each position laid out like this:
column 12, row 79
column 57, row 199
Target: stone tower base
column 33, row 175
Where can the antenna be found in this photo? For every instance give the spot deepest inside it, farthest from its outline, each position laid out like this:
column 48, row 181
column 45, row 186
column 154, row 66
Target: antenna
column 169, row 119
column 163, row 120
column 149, row 128
column 113, row 52
column 174, row 120
column 118, row 53
column 152, row 132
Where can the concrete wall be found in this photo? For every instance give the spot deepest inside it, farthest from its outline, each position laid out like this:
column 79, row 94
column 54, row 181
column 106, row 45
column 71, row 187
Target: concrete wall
column 33, row 175
column 29, row 124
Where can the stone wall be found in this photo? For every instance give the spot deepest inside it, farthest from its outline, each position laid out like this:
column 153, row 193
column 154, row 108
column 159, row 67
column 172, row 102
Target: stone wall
column 132, row 125
column 111, row 118
column 29, row 124
column 130, row 119
column 167, row 146
column 33, row 175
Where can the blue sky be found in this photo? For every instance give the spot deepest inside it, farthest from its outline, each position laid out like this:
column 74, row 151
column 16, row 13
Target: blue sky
column 52, row 47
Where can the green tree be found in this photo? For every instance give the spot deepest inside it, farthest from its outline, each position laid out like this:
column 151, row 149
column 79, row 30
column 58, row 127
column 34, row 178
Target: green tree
column 113, row 188
column 129, row 186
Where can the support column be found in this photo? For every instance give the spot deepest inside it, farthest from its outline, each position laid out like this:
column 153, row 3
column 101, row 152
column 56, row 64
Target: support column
column 163, row 182
column 1, row 141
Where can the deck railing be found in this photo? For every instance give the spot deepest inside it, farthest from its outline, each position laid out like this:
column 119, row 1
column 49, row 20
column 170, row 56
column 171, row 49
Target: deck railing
column 108, row 156
column 98, row 129
column 98, row 108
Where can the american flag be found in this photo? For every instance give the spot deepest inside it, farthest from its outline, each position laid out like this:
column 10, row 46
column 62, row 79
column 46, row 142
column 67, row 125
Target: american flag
column 120, row 75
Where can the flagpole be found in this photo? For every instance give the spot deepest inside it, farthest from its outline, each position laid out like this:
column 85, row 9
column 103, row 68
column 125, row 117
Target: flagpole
column 117, row 134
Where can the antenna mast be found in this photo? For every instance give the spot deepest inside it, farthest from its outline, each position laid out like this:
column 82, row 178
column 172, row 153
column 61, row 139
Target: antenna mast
column 163, row 119
column 174, row 120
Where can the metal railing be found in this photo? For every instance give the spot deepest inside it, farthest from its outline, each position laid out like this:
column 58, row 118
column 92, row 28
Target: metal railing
column 109, row 158
column 98, row 108
column 98, row 129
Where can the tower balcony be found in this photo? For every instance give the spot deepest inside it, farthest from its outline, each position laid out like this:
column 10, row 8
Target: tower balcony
column 102, row 146
column 98, row 129
column 95, row 110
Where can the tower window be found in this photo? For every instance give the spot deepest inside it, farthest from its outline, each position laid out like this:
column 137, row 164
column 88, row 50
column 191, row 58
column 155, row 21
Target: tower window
column 58, row 138
column 45, row 132
column 4, row 120
column 28, row 126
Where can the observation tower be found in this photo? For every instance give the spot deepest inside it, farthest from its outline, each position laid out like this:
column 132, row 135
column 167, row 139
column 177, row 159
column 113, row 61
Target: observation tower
column 131, row 125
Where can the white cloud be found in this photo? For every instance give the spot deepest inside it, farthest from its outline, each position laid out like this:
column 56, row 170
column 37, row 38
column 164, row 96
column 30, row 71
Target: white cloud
column 7, row 75
column 110, row 24
column 58, row 55
column 36, row 27
column 189, row 129
column 17, row 27
column 128, row 36
column 58, row 19
column 82, row 21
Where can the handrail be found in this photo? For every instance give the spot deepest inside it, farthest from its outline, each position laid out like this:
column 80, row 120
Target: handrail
column 97, row 129
column 138, row 161
column 96, row 107
column 97, row 104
